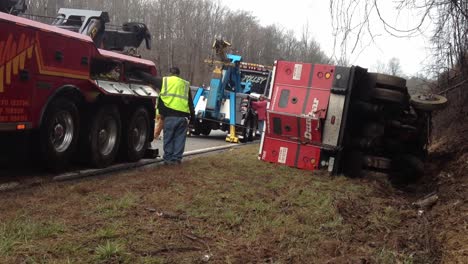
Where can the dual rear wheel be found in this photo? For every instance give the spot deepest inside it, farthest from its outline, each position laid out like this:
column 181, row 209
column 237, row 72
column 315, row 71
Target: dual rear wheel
column 108, row 133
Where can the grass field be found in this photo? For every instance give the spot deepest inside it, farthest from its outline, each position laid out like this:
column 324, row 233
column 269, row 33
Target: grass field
column 226, row 207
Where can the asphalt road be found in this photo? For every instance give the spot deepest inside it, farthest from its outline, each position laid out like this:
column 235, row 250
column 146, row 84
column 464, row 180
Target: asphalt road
column 215, row 139
column 24, row 170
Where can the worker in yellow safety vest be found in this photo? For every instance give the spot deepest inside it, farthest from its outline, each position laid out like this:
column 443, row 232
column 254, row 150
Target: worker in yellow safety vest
column 175, row 105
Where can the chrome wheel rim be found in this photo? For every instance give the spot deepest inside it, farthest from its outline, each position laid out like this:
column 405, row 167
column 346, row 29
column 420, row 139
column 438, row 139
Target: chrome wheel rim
column 62, row 132
column 138, row 133
column 107, row 136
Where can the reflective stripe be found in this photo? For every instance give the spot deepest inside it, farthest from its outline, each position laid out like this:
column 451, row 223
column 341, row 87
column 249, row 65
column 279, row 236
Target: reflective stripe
column 176, row 95
column 186, row 91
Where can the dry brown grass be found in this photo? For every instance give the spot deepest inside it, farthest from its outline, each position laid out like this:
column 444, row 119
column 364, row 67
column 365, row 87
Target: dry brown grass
column 222, row 208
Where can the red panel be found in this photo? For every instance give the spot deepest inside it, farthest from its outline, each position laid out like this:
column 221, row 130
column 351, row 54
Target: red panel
column 297, row 92
column 293, row 73
column 283, row 126
column 279, row 151
column 323, row 76
column 290, row 153
column 317, row 103
column 302, row 129
column 288, row 99
column 309, row 157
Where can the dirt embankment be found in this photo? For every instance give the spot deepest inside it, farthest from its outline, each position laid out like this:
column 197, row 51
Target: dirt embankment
column 447, row 177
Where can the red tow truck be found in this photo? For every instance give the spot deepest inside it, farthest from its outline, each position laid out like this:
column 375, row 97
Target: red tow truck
column 73, row 91
column 346, row 120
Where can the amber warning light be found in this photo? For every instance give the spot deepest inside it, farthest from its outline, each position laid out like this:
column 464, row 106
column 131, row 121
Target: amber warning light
column 20, row 127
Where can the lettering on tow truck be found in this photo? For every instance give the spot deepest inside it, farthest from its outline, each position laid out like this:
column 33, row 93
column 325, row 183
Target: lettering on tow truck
column 313, row 114
column 254, row 79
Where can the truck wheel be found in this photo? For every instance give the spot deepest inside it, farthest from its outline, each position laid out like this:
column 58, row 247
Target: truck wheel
column 429, row 102
column 205, row 131
column 59, row 133
column 389, row 81
column 104, row 136
column 376, row 162
column 373, row 130
column 388, row 95
column 195, row 132
column 247, row 131
column 136, row 135
column 353, row 164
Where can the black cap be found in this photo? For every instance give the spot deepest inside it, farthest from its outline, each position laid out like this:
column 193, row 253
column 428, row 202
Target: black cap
column 174, row 71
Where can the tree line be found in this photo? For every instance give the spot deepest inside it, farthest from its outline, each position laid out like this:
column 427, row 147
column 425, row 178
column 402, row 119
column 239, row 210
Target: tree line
column 353, row 23
column 184, row 30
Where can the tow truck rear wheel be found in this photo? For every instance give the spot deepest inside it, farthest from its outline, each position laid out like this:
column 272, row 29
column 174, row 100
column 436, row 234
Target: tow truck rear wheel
column 104, row 136
column 205, row 131
column 59, row 133
column 195, row 132
column 136, row 135
column 248, row 131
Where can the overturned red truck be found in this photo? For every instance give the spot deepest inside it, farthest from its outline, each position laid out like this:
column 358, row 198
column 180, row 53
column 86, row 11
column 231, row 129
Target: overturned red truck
column 72, row 92
column 346, row 120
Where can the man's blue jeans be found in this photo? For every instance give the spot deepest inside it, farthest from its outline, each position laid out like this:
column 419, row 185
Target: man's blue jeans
column 175, row 132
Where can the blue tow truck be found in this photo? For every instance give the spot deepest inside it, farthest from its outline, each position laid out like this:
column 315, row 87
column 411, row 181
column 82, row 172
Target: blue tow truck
column 226, row 103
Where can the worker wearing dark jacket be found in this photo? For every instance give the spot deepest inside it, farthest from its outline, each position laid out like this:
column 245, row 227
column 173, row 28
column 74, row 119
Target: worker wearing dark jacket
column 176, row 106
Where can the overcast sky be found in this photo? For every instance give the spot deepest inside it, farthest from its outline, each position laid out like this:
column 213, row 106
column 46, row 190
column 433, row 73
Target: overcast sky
column 294, row 14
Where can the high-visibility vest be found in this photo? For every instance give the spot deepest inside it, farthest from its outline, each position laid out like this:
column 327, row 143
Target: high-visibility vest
column 175, row 93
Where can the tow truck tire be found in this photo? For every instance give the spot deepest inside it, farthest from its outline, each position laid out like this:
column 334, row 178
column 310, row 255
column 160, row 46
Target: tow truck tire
column 428, row 102
column 136, row 132
column 248, row 131
column 58, row 133
column 104, row 136
column 195, row 132
column 388, row 95
column 205, row 131
column 389, row 81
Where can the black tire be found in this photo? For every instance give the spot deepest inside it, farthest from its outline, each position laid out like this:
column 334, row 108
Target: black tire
column 376, row 162
column 247, row 131
column 136, row 133
column 373, row 130
column 388, row 95
column 195, row 132
column 205, row 131
column 104, row 136
column 389, row 81
column 428, row 102
column 353, row 164
column 58, row 134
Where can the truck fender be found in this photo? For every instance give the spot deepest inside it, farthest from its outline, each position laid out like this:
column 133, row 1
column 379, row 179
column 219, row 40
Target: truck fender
column 68, row 91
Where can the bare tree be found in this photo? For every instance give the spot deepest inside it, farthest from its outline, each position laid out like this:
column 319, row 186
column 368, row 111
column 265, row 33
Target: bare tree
column 183, row 32
column 379, row 67
column 352, row 27
column 394, row 66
